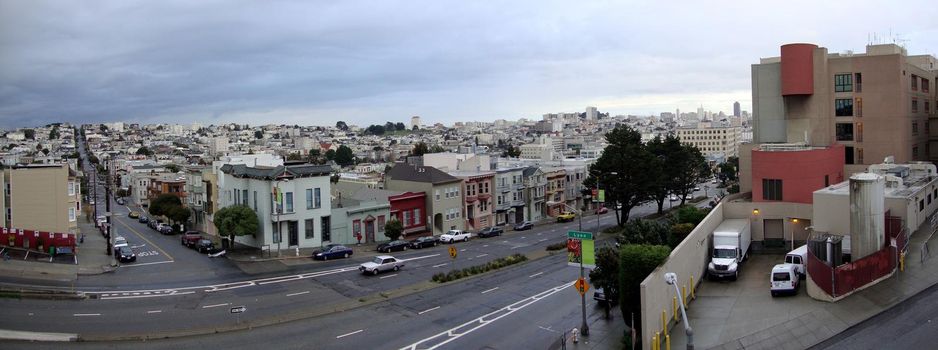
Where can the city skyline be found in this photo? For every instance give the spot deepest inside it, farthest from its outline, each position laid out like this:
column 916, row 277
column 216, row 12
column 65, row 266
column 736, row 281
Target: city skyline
column 316, row 64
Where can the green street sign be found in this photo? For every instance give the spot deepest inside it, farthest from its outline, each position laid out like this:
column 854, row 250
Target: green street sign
column 581, row 249
column 602, row 196
column 579, row 235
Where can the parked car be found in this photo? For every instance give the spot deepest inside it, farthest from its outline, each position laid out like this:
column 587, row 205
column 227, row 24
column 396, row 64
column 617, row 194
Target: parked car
column 602, row 210
column 673, row 198
column 125, row 254
column 423, row 242
column 118, row 243
column 565, row 217
column 190, row 238
column 120, row 201
column 397, row 245
column 165, row 229
column 332, row 251
column 205, row 246
column 380, row 263
column 452, row 236
column 527, row 225
column 154, row 224
column 784, row 279
column 490, row 232
column 143, row 219
column 133, row 215
column 600, row 295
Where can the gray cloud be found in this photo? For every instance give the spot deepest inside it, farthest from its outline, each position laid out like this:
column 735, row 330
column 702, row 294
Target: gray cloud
column 315, row 63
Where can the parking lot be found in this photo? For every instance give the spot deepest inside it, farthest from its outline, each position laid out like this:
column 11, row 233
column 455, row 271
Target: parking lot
column 727, row 310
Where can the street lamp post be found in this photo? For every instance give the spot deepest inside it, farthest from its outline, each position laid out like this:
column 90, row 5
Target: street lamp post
column 671, row 278
column 584, row 327
column 597, row 200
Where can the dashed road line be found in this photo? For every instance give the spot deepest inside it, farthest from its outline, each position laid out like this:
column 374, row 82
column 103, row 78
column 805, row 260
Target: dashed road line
column 348, row 334
column 149, row 263
column 489, row 290
column 536, row 274
column 297, row 293
column 83, row 315
column 154, row 311
column 443, row 264
column 428, row 310
column 215, row 305
column 481, row 255
column 388, row 276
column 462, row 250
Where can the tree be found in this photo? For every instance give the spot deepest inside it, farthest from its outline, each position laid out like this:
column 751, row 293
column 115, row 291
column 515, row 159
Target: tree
column 400, row 126
column 103, row 127
column 341, row 125
column 511, row 151
column 54, row 134
column 236, row 220
column 162, row 204
column 258, row 134
column 692, row 169
column 643, row 231
column 729, row 171
column 436, row 149
column 178, row 213
column 640, row 260
column 173, row 168
column 689, row 214
column 678, row 233
column 390, row 127
column 314, row 157
column 393, row 229
column 606, row 274
column 30, row 134
column 420, row 149
column 661, row 183
column 330, row 154
column 144, row 151
column 294, row 156
column 375, row 130
column 627, row 157
column 344, row 156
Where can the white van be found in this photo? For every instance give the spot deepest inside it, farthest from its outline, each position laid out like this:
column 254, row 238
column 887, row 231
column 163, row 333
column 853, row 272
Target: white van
column 784, row 278
column 799, row 258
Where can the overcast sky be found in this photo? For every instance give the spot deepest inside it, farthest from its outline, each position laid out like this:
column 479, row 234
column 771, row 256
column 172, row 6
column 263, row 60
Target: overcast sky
column 364, row 62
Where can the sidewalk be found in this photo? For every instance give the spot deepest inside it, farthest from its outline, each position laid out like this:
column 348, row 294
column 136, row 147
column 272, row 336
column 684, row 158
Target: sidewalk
column 604, row 334
column 822, row 320
column 92, row 253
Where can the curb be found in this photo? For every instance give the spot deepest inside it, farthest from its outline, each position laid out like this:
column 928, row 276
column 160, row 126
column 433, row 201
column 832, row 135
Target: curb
column 24, row 293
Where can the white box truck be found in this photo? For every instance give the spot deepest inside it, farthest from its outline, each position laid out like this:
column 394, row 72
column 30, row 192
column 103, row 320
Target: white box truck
column 730, row 247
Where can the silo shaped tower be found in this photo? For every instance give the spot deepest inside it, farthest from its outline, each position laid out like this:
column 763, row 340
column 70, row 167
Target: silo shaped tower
column 867, row 214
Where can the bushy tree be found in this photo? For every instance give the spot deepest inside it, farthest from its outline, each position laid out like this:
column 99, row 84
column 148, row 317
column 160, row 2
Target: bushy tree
column 236, row 220
column 393, row 229
column 258, row 134
column 678, row 233
column 144, row 151
column 341, row 125
column 606, row 274
column 627, row 157
column 641, row 231
column 420, row 149
column 30, row 134
column 692, row 168
column 689, row 214
column 436, row 149
column 162, row 204
column 641, row 260
column 344, row 156
column 330, row 154
column 729, row 171
column 400, row 126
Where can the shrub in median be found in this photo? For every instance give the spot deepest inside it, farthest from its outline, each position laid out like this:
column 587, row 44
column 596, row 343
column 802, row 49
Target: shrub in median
column 557, row 246
column 443, row 277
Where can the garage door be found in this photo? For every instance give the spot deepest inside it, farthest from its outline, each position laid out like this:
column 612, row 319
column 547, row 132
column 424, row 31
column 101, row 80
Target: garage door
column 774, row 229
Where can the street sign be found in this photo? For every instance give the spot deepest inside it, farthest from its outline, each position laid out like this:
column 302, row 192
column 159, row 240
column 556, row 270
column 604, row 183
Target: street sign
column 452, row 252
column 580, row 249
column 602, row 196
column 239, row 309
column 581, row 285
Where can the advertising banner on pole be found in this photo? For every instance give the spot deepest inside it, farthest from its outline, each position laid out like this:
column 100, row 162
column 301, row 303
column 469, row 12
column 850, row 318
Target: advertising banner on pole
column 580, row 249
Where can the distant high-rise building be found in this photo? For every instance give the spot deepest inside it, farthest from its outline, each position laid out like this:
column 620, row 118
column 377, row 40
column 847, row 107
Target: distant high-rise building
column 415, row 122
column 591, row 113
column 701, row 114
column 736, row 109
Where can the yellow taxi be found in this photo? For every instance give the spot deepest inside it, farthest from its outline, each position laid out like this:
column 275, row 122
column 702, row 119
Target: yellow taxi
column 133, row 215
column 564, row 217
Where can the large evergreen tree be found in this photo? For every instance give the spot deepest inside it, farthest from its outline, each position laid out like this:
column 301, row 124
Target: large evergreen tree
column 344, row 156
column 628, row 158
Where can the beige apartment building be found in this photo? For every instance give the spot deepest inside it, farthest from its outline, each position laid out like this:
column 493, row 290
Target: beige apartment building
column 877, row 104
column 711, row 140
column 41, row 197
column 444, row 194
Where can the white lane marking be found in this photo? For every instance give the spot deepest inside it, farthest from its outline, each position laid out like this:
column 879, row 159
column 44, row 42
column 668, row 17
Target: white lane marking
column 297, row 293
column 348, row 334
column 485, row 246
column 536, row 274
column 420, row 257
column 388, row 276
column 173, row 293
column 149, row 263
column 81, row 315
column 154, row 311
column 523, row 237
column 541, row 240
column 489, row 290
column 454, row 333
column 540, row 233
column 216, row 305
column 229, row 287
column 515, row 247
column 443, row 264
column 462, row 250
column 428, row 310
column 479, row 256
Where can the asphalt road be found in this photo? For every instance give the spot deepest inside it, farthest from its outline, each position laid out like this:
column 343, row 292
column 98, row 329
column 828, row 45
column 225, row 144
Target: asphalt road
column 519, row 307
column 912, row 324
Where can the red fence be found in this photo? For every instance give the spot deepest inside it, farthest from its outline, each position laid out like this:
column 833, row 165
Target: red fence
column 29, row 239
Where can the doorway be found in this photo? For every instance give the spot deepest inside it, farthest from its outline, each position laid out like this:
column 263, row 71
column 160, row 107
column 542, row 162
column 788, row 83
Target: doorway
column 370, row 230
column 293, row 232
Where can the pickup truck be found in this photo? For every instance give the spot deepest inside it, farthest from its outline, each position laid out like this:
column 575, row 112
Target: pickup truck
column 452, row 236
column 190, row 238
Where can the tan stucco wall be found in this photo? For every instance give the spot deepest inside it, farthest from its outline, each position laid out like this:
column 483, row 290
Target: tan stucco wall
column 39, row 199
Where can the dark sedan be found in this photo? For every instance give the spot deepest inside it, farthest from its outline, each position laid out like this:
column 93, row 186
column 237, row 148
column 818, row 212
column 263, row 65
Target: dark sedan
column 423, row 242
column 143, row 219
column 527, row 225
column 332, row 251
column 388, row 247
column 125, row 254
column 491, row 232
column 205, row 246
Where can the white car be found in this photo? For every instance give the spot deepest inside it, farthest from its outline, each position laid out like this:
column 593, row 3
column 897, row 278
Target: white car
column 381, row 263
column 784, row 279
column 452, row 236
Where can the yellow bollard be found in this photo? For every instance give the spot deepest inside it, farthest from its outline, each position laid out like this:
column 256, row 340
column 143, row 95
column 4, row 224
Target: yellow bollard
column 901, row 262
column 657, row 340
column 692, row 287
column 674, row 308
column 684, row 294
column 667, row 342
column 664, row 322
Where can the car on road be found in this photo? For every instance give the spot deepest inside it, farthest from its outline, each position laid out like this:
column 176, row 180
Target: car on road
column 332, row 251
column 133, row 215
column 566, row 217
column 118, row 243
column 205, row 246
column 527, row 225
column 125, row 254
column 600, row 295
column 154, row 224
column 397, row 245
column 490, row 232
column 381, row 263
column 143, row 219
column 452, row 236
column 120, row 201
column 190, row 238
column 423, row 242
column 601, row 210
column 696, row 188
column 165, row 229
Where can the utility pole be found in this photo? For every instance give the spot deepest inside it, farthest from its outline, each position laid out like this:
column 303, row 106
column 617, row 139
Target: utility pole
column 584, row 327
column 107, row 210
